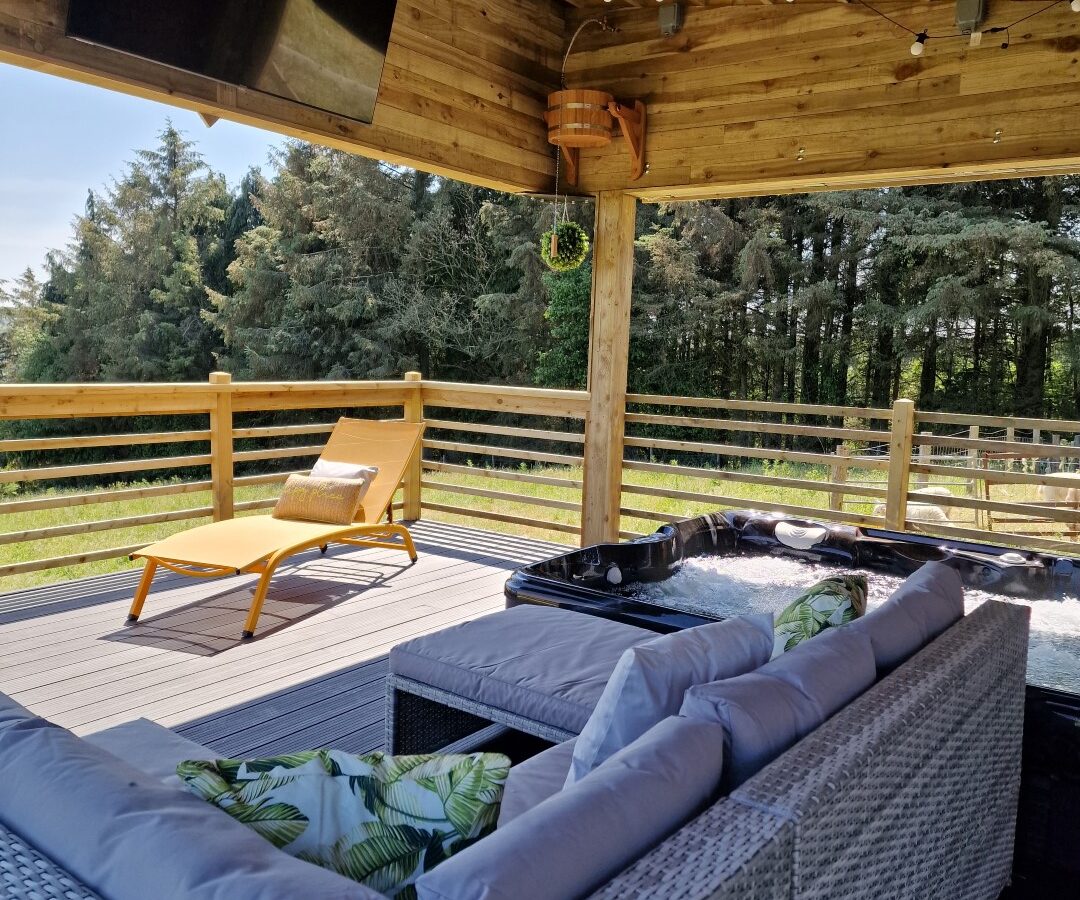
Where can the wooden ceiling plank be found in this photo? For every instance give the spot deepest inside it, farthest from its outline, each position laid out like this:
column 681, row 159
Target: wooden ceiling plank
column 735, row 95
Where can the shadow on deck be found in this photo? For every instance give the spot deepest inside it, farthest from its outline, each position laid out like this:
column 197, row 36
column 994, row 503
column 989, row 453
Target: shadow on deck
column 313, row 676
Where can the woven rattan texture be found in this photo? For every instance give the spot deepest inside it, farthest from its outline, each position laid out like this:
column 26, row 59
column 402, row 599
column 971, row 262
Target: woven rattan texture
column 911, row 790
column 422, row 719
column 27, row 875
column 728, row 851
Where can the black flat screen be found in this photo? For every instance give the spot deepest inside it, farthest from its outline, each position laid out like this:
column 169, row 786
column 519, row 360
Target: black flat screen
column 323, row 53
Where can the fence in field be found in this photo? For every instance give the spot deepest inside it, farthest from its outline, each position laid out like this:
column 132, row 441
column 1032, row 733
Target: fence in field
column 522, row 458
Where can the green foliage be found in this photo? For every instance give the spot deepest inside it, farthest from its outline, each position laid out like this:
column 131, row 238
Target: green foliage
column 963, row 297
column 833, row 601
column 570, row 243
column 566, row 364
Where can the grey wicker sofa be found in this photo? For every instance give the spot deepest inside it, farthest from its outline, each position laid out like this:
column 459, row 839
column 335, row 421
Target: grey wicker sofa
column 909, row 791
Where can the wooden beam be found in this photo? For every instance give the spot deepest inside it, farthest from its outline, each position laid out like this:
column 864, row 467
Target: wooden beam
column 900, row 442
column 609, row 341
column 754, row 98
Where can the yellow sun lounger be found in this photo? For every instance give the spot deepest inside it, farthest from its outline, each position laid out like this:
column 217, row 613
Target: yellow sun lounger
column 258, row 544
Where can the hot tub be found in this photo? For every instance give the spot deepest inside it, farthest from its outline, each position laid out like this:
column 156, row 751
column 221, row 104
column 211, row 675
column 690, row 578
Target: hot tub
column 733, row 562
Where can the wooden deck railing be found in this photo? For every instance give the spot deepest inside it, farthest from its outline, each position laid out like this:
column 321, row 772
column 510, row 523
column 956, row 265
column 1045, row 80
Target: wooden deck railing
column 222, row 453
column 895, row 468
column 513, row 457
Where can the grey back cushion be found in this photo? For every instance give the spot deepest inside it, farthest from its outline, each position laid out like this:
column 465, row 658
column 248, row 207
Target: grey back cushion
column 650, row 679
column 150, row 748
column 767, row 711
column 535, row 779
column 128, row 836
column 925, row 605
column 582, row 836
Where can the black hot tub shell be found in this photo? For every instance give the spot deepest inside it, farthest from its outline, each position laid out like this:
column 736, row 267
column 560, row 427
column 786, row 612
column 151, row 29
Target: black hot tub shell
column 594, row 579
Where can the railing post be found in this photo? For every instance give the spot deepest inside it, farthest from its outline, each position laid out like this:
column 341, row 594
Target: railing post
column 839, row 475
column 221, row 446
column 609, row 340
column 901, row 431
column 414, row 412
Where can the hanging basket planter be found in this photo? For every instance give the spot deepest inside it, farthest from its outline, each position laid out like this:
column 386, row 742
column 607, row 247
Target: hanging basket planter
column 564, row 247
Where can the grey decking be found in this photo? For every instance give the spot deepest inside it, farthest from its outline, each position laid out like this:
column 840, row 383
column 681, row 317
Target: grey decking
column 312, row 677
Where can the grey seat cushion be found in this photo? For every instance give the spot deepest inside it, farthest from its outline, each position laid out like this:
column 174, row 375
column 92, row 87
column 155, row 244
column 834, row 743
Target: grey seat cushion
column 150, row 748
column 580, row 837
column 128, row 836
column 531, row 782
column 546, row 664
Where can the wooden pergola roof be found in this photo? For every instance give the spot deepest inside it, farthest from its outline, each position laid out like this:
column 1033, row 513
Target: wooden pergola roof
column 749, row 97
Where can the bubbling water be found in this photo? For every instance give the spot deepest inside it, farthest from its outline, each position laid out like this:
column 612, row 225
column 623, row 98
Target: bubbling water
column 723, row 586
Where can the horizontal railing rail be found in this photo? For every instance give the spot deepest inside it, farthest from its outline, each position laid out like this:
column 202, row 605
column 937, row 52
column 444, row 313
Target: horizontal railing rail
column 536, row 486
column 95, row 471
column 774, row 456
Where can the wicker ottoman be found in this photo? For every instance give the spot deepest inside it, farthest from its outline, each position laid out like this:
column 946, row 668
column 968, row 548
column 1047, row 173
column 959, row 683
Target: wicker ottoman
column 536, row 669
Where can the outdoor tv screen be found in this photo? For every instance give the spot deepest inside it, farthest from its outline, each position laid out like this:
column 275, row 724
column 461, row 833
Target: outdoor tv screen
column 323, row 53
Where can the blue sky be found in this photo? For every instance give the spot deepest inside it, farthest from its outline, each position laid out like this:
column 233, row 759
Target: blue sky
column 60, row 138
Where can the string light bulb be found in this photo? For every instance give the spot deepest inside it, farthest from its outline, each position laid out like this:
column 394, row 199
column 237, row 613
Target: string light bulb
column 1075, row 6
column 919, row 46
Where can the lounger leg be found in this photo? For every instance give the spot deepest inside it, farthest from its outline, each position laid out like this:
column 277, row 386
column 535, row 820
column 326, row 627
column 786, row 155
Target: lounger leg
column 260, row 595
column 406, row 539
column 141, row 592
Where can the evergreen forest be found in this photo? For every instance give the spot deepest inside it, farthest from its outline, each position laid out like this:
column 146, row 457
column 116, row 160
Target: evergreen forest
column 324, row 265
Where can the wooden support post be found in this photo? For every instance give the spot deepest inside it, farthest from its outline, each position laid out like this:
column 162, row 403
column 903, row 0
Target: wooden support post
column 839, row 476
column 925, row 451
column 609, row 340
column 1010, row 437
column 221, row 446
column 414, row 412
column 901, row 431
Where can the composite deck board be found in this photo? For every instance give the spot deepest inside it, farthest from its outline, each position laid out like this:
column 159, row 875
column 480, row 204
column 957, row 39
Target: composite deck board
column 36, row 653
column 313, row 676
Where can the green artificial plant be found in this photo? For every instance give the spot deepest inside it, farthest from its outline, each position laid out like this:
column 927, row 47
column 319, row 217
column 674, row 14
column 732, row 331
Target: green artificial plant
column 564, row 247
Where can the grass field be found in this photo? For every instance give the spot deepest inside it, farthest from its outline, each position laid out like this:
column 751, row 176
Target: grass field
column 752, row 495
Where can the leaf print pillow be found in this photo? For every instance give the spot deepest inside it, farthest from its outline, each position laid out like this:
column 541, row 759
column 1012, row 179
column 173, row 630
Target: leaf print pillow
column 833, row 601
column 377, row 819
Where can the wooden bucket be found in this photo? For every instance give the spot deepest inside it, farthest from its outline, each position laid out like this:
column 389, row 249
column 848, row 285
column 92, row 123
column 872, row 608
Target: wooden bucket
column 579, row 118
